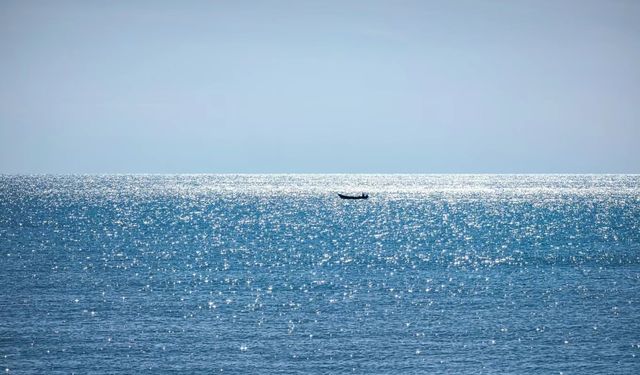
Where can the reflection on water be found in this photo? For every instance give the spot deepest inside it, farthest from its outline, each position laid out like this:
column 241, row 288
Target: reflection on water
column 276, row 274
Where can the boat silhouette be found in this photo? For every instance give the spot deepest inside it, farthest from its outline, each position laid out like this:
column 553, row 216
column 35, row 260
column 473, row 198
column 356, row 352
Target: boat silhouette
column 363, row 196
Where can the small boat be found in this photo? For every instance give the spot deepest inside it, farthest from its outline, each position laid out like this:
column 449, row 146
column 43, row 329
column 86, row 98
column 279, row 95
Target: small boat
column 363, row 196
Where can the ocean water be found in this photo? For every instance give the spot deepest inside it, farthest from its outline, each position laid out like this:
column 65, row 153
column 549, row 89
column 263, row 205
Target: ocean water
column 274, row 274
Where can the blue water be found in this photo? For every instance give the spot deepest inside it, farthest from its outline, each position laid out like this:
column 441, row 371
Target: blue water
column 274, row 274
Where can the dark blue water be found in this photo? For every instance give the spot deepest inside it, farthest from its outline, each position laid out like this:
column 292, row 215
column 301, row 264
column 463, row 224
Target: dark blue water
column 276, row 275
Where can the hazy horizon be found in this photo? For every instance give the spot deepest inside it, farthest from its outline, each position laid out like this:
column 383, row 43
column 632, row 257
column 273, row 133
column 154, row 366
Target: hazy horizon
column 461, row 87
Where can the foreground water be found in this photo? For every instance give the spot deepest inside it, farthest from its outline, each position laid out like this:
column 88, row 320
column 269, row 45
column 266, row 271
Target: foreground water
column 274, row 274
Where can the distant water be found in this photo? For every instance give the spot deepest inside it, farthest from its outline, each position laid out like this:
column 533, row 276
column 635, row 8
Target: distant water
column 273, row 274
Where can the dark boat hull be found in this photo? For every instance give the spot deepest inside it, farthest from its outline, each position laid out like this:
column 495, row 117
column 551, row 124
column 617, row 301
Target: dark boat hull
column 353, row 197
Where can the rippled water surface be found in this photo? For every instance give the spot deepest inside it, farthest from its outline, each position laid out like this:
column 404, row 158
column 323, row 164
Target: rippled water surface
column 275, row 274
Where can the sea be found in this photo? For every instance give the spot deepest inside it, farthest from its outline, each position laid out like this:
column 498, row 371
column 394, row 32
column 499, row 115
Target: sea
column 275, row 274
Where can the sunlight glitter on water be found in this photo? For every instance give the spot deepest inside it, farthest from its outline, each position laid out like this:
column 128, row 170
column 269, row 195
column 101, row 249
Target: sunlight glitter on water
column 275, row 273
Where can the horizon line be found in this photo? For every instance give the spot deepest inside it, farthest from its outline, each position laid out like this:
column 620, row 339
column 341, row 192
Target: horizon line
column 321, row 173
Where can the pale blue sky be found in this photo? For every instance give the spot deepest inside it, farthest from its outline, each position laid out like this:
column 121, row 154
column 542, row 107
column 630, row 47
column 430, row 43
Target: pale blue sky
column 319, row 86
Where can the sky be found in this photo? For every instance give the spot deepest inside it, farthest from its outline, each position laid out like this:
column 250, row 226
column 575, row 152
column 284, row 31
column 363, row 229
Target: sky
column 320, row 86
